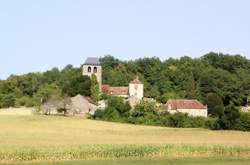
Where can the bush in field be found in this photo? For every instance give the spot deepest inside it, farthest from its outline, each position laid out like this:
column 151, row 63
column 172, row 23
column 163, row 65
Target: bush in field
column 144, row 113
column 98, row 114
column 116, row 110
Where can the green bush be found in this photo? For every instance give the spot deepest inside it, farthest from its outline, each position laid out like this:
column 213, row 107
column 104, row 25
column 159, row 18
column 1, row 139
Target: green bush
column 25, row 101
column 7, row 100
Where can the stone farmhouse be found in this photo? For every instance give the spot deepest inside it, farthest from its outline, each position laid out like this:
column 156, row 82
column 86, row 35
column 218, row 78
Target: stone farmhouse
column 134, row 91
column 191, row 107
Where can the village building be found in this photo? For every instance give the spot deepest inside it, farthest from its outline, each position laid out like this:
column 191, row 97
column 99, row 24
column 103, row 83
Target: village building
column 191, row 107
column 135, row 89
column 92, row 65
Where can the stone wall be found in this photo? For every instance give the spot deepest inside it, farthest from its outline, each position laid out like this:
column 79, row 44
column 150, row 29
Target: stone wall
column 191, row 112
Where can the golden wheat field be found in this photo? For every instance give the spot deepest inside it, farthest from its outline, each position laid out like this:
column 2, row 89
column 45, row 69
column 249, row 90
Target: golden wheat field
column 54, row 138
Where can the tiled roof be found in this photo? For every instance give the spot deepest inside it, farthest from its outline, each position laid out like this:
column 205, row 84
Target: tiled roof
column 136, row 81
column 175, row 104
column 105, row 88
column 92, row 61
column 118, row 90
column 114, row 90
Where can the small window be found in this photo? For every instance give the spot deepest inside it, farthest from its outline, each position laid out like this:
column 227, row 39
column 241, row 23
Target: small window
column 95, row 69
column 89, row 69
column 136, row 87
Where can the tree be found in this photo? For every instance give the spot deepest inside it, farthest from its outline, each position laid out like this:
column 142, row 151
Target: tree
column 94, row 88
column 215, row 105
column 47, row 92
column 230, row 119
column 143, row 109
column 7, row 100
column 191, row 88
column 119, row 105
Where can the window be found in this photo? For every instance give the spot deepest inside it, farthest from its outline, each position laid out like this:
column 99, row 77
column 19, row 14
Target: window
column 95, row 69
column 136, row 87
column 89, row 69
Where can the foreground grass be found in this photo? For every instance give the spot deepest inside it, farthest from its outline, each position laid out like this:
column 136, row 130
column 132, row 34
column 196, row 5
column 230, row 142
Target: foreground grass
column 46, row 138
column 150, row 162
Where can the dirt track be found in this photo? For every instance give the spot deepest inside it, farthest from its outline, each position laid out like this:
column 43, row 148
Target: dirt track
column 16, row 111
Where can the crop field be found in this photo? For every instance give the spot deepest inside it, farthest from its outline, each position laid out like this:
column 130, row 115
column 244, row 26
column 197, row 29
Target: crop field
column 49, row 139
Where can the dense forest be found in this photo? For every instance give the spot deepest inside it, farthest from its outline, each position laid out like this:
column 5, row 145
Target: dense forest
column 219, row 80
column 225, row 75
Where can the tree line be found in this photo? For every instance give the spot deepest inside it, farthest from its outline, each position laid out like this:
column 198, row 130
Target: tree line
column 221, row 81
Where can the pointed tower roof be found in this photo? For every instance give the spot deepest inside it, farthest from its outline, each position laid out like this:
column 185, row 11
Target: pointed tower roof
column 136, row 81
column 92, row 61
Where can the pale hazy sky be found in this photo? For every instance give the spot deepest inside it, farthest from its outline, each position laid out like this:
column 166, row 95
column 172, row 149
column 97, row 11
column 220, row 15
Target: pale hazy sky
column 36, row 35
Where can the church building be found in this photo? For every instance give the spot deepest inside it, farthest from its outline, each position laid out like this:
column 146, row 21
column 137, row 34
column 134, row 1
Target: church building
column 92, row 65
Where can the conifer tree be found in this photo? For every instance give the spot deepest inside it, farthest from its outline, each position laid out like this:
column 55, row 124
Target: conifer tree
column 94, row 88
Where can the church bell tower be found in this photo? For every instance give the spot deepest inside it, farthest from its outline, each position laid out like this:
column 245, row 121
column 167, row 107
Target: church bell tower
column 92, row 66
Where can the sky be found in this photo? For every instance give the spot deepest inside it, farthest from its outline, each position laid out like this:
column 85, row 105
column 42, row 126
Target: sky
column 38, row 35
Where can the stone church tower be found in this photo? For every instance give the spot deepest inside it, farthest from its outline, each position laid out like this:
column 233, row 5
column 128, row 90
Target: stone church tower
column 92, row 66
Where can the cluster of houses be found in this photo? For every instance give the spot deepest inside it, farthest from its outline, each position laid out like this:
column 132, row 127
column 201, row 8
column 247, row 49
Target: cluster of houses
column 134, row 92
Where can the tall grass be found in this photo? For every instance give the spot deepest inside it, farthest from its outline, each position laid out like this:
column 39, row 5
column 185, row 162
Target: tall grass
column 86, row 152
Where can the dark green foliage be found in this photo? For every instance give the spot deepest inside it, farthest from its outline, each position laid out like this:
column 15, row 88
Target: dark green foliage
column 231, row 118
column 47, row 92
column 7, row 100
column 120, row 106
column 227, row 77
column 117, row 110
column 72, row 82
column 24, row 90
column 144, row 109
column 244, row 122
column 99, row 114
column 94, row 88
column 179, row 120
column 215, row 105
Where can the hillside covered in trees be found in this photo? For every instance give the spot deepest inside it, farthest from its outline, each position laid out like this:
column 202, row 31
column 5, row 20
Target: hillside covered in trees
column 219, row 80
column 225, row 75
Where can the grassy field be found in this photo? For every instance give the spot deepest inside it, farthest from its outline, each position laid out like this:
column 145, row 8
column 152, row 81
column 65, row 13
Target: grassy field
column 50, row 138
column 149, row 162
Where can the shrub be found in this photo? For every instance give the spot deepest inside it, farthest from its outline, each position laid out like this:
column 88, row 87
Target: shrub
column 7, row 100
column 98, row 114
column 25, row 101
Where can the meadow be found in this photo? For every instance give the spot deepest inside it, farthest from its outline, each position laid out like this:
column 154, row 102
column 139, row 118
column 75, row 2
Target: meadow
column 49, row 139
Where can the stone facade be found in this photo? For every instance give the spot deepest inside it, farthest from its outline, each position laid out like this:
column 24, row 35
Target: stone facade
column 92, row 66
column 136, row 89
column 191, row 107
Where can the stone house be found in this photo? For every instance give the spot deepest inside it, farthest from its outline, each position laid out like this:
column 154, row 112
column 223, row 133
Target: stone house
column 135, row 89
column 191, row 107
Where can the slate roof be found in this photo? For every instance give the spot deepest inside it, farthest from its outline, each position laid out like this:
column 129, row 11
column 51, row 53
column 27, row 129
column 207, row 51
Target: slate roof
column 175, row 104
column 92, row 61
